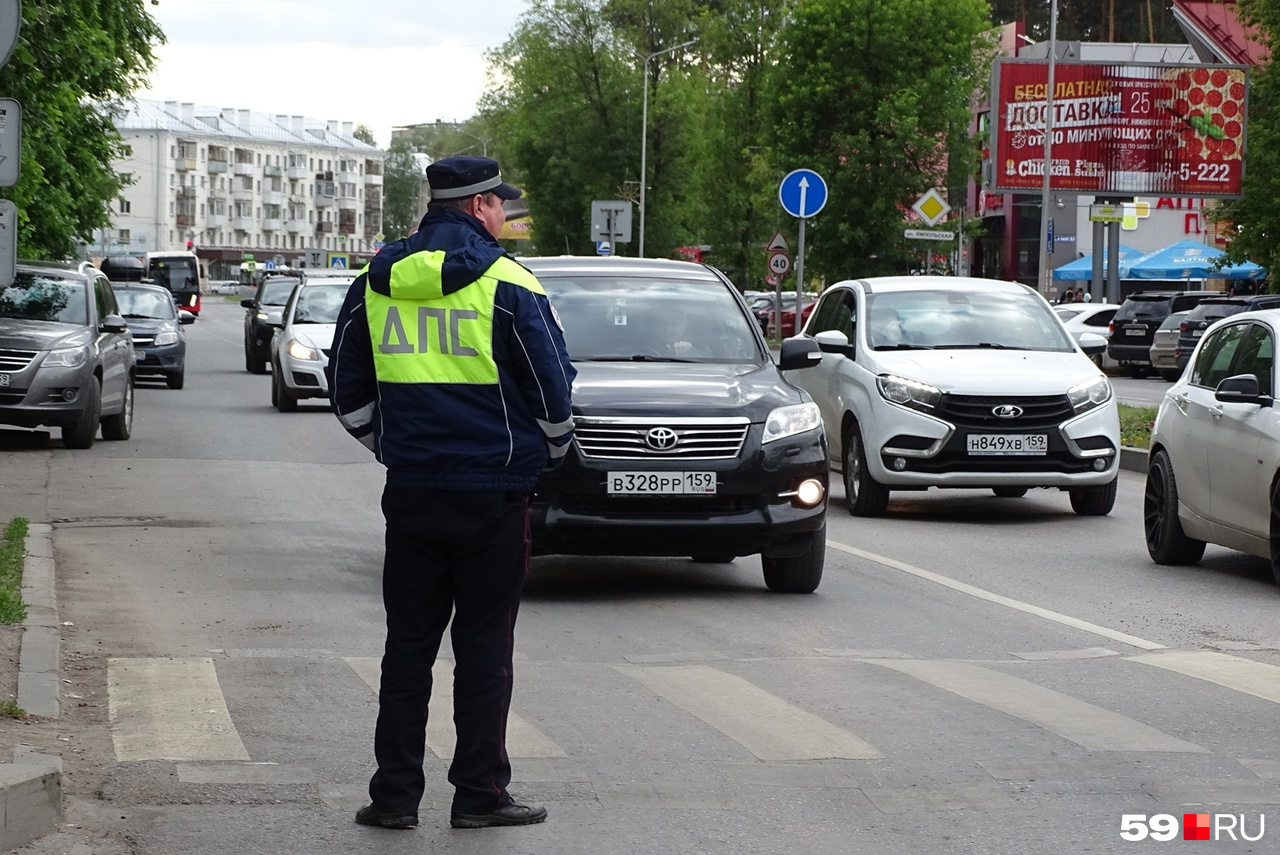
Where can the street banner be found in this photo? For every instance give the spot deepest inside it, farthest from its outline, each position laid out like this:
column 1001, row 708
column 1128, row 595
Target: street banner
column 1120, row 128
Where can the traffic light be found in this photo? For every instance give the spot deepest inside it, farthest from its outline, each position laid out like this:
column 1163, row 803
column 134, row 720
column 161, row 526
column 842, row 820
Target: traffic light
column 190, row 246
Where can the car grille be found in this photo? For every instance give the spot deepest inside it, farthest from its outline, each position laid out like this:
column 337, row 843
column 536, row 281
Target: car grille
column 694, row 439
column 16, row 360
column 975, row 411
column 143, row 340
column 11, row 399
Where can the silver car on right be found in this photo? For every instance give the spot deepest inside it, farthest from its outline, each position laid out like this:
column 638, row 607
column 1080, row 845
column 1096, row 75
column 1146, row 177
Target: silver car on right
column 1214, row 468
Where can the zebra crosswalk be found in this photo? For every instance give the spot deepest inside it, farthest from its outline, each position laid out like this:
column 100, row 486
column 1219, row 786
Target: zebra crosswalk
column 175, row 709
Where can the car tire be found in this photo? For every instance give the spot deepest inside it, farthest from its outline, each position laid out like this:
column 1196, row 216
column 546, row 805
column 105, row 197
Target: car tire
column 84, row 430
column 1171, row 376
column 1137, row 370
column 280, row 397
column 1167, row 543
column 713, row 559
column 1010, row 492
column 176, row 381
column 120, row 425
column 1275, row 533
column 864, row 495
column 1094, row 501
column 797, row 574
column 254, row 364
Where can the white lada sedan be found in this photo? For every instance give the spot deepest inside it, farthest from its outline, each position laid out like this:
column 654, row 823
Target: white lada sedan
column 300, row 348
column 938, row 381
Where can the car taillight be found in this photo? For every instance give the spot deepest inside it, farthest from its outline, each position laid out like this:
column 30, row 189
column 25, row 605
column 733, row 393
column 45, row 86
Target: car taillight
column 1111, row 327
column 1184, row 327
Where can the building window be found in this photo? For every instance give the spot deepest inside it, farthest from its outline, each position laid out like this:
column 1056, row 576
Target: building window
column 171, row 206
column 123, row 236
column 125, row 206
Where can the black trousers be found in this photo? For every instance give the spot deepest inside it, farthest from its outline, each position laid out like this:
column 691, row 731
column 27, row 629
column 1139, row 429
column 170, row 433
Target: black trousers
column 449, row 551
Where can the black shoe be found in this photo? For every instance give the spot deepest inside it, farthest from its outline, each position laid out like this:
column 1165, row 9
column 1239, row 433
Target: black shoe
column 512, row 814
column 370, row 815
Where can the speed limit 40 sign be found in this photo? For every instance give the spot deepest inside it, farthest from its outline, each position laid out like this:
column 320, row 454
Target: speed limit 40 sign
column 779, row 263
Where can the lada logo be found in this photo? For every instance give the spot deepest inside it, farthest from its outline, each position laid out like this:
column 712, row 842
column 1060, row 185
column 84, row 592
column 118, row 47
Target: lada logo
column 1006, row 411
column 661, row 438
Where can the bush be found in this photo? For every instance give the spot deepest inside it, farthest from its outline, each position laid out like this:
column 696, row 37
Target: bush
column 12, row 555
column 1136, row 424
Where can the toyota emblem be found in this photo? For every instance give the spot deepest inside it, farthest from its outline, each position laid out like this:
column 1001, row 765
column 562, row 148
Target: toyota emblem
column 1006, row 411
column 661, row 438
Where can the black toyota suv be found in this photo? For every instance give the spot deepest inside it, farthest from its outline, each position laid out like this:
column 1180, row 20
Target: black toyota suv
column 689, row 440
column 1213, row 309
column 1135, row 323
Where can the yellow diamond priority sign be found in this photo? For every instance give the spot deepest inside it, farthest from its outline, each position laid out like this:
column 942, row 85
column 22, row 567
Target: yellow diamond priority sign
column 931, row 207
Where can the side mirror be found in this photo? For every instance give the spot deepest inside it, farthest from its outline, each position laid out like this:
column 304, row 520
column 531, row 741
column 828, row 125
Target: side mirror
column 1092, row 343
column 248, row 304
column 834, row 341
column 800, row 352
column 114, row 324
column 185, row 317
column 1242, row 389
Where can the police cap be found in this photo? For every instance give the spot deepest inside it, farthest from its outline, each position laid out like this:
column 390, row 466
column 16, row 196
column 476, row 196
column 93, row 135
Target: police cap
column 459, row 177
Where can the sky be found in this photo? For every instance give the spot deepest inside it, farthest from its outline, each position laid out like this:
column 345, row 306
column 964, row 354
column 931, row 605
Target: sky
column 381, row 63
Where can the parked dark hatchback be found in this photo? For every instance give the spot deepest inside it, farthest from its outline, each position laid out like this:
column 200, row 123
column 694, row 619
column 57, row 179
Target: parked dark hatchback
column 159, row 346
column 1213, row 309
column 689, row 441
column 1134, row 326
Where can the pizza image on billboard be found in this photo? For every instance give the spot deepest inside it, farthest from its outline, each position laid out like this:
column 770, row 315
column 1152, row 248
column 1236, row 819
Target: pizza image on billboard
column 1121, row 128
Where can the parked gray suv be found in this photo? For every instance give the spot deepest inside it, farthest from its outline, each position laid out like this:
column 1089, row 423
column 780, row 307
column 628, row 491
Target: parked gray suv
column 66, row 355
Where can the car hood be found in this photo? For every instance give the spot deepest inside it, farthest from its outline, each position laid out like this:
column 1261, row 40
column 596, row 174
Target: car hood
column 319, row 336
column 40, row 335
column 990, row 372
column 150, row 326
column 680, row 389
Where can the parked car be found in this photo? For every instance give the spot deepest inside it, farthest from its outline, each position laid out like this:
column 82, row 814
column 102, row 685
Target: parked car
column 1214, row 457
column 787, row 326
column 300, row 348
column 1095, row 318
column 689, row 441
column 1164, row 347
column 1215, row 308
column 263, row 318
column 938, row 381
column 1135, row 324
column 66, row 355
column 154, row 319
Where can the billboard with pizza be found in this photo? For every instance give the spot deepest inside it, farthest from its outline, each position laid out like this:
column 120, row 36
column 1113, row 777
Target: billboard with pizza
column 1120, row 128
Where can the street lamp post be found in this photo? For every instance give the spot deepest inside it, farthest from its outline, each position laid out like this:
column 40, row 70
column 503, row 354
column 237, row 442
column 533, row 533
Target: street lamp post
column 1046, row 240
column 644, row 132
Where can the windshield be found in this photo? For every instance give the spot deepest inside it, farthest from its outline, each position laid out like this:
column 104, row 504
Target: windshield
column 275, row 292
column 319, row 304
column 146, row 304
column 938, row 318
column 39, row 298
column 641, row 319
column 1142, row 307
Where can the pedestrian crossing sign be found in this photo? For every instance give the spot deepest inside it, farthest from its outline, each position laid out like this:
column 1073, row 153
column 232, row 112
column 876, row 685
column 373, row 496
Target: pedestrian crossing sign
column 338, row 261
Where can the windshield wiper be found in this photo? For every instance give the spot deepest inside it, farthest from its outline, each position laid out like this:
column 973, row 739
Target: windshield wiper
column 981, row 345
column 639, row 357
column 142, row 317
column 903, row 347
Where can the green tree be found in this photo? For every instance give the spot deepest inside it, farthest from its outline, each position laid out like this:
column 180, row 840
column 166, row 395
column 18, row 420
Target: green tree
column 1094, row 20
column 74, row 60
column 875, row 103
column 364, row 133
column 401, row 186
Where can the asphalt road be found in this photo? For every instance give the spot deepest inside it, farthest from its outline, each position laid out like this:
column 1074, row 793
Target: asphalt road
column 975, row 674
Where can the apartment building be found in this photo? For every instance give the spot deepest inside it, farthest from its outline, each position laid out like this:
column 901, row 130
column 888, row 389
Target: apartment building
column 240, row 185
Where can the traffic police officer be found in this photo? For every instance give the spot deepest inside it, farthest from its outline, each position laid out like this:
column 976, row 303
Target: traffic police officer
column 450, row 364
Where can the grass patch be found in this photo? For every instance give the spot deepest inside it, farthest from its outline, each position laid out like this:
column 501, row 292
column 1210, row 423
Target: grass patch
column 1135, row 425
column 12, row 554
column 11, row 709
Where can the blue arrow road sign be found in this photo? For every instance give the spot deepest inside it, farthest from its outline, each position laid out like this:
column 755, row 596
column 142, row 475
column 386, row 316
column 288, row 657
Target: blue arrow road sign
column 802, row 193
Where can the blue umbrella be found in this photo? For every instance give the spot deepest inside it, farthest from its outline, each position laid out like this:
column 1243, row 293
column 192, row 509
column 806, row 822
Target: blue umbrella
column 1189, row 259
column 1081, row 270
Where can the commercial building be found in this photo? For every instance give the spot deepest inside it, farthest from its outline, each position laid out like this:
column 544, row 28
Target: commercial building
column 240, row 186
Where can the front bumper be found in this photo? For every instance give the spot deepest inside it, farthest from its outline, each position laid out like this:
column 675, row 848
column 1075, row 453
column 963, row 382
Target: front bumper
column 164, row 360
column 752, row 511
column 37, row 396
column 304, row 378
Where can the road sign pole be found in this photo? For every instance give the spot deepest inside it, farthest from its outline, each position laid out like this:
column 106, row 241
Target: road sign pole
column 799, row 272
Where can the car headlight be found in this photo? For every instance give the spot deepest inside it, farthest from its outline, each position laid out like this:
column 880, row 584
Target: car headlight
column 262, row 316
column 298, row 350
column 909, row 393
column 1089, row 394
column 166, row 338
column 66, row 357
column 789, row 421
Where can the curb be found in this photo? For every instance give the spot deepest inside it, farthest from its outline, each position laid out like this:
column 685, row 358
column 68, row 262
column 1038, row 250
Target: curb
column 31, row 786
column 1133, row 459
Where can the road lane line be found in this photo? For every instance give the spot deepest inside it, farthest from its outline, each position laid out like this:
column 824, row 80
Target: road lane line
column 170, row 709
column 1009, row 602
column 764, row 724
column 524, row 741
column 1083, row 723
column 1233, row 672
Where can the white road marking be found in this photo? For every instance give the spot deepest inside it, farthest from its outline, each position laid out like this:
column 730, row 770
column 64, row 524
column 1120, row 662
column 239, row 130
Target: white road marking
column 170, row 709
column 1243, row 675
column 764, row 724
column 1083, row 723
column 524, row 741
column 964, row 588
